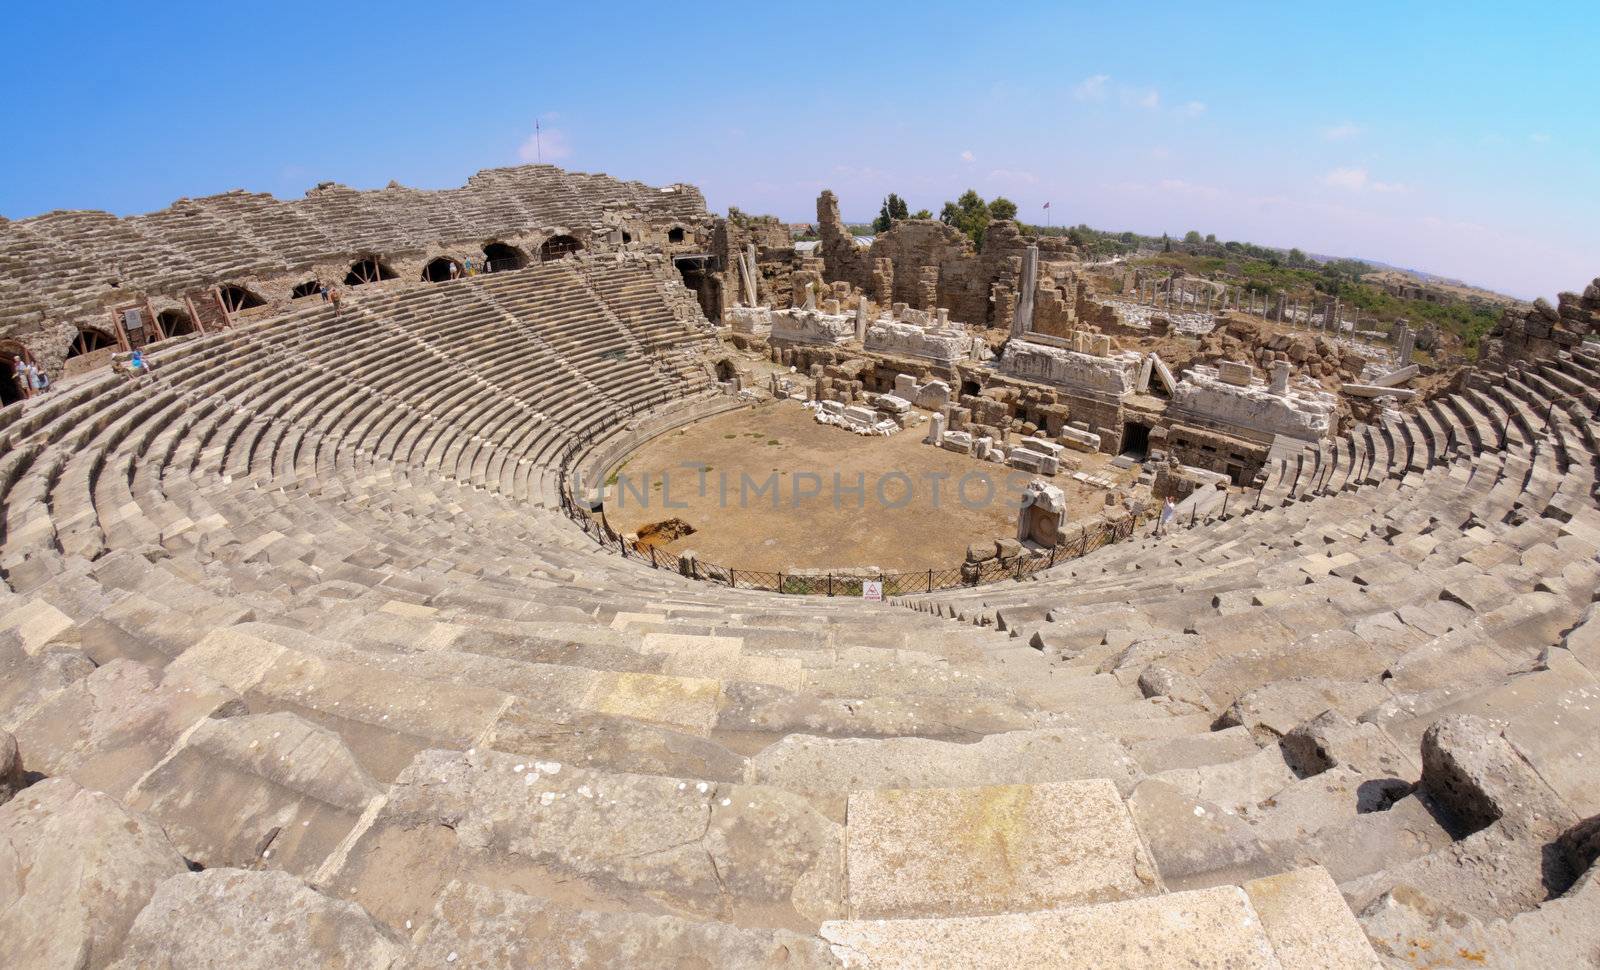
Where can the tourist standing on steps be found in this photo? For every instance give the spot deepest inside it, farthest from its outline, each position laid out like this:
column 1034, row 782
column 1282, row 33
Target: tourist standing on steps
column 19, row 373
column 333, row 297
column 1168, row 510
column 324, row 291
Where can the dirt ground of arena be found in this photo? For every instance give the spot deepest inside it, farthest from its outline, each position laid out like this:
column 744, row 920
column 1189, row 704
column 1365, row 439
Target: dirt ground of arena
column 768, row 488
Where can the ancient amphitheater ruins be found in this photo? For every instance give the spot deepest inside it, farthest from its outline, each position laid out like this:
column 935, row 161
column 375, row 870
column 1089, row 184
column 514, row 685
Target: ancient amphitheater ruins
column 319, row 649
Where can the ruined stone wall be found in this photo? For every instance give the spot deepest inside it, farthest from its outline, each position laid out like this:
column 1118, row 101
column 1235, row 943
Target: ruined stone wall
column 1543, row 330
column 65, row 270
column 925, row 264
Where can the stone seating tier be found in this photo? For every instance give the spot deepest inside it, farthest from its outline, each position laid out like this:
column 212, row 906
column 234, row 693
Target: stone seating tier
column 297, row 629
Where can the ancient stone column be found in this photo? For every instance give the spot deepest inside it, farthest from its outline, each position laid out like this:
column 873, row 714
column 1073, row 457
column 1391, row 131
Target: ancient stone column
column 935, row 431
column 1280, row 378
column 811, row 296
column 1022, row 320
column 1405, row 342
column 751, row 293
column 861, row 319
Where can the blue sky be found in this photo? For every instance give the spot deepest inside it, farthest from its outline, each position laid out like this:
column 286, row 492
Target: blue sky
column 1463, row 139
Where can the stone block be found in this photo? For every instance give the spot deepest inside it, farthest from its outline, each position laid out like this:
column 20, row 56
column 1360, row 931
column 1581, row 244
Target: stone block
column 1308, row 922
column 1001, row 848
column 1237, row 374
column 1208, row 928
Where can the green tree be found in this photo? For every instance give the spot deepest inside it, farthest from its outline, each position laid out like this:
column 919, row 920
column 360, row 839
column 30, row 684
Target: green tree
column 894, row 208
column 922, row 214
column 1002, row 208
column 1211, row 237
column 1297, row 258
column 969, row 213
column 1166, row 243
column 1191, row 238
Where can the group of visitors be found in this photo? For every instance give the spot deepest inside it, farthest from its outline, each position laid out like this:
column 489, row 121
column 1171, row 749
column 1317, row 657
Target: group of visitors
column 30, row 379
column 330, row 295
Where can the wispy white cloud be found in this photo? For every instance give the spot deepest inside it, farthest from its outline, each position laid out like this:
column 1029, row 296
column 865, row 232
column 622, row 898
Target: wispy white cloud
column 1147, row 98
column 548, row 144
column 1193, row 109
column 966, row 156
column 1160, row 152
column 1357, row 179
column 1091, row 88
column 1343, row 131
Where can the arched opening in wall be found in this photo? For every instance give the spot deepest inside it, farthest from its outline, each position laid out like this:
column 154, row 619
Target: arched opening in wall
column 369, row 270
column 675, row 234
column 499, row 256
column 970, row 389
column 558, row 246
column 441, row 269
column 308, row 288
column 175, row 323
column 88, row 341
column 236, row 298
column 725, row 370
column 698, row 275
column 627, row 237
column 1135, row 440
column 10, row 387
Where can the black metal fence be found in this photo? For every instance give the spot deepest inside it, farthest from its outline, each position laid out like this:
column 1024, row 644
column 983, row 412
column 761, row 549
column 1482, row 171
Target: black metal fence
column 840, row 583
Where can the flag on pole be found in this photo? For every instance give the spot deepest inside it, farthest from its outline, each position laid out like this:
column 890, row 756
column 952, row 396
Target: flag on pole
column 1047, row 205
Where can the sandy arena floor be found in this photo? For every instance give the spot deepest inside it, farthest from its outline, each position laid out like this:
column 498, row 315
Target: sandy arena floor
column 770, row 500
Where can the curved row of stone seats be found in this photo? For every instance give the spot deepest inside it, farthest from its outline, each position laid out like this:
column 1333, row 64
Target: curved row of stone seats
column 453, row 710
column 768, row 864
column 65, row 263
column 1465, row 589
column 245, row 425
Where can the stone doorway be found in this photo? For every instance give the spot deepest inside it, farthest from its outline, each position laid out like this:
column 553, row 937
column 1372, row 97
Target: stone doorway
column 440, row 270
column 10, row 389
column 697, row 273
column 558, row 246
column 175, row 323
column 369, row 270
column 236, row 298
column 1135, row 440
column 499, row 257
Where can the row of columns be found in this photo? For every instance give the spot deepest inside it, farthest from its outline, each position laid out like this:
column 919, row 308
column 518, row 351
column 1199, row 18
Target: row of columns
column 1201, row 298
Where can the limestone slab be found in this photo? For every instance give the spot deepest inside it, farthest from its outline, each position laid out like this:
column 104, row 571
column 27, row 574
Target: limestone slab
column 1308, row 922
column 992, row 849
column 1211, row 929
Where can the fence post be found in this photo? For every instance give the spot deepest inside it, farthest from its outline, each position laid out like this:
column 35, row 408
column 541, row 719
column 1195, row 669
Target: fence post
column 830, row 584
column 780, row 582
column 1194, row 514
column 1224, row 504
column 930, row 580
column 653, row 564
column 694, row 569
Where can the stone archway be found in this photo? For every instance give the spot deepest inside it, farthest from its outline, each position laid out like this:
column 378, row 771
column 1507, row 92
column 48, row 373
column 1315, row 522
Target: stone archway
column 236, row 298
column 368, row 270
column 175, row 323
column 558, row 246
column 88, row 341
column 10, row 388
column 308, row 288
column 442, row 269
column 499, row 257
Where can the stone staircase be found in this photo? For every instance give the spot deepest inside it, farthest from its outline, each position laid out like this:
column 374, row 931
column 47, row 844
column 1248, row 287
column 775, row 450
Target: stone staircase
column 296, row 629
